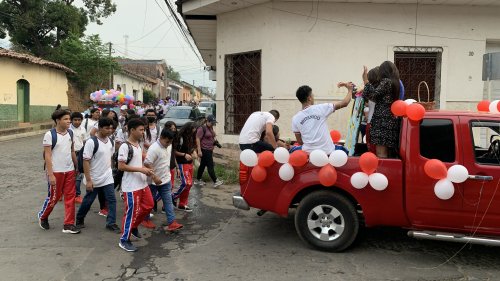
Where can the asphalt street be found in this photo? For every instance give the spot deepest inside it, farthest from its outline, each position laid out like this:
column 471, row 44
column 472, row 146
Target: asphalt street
column 217, row 243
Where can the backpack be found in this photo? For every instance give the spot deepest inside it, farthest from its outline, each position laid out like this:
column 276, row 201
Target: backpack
column 117, row 174
column 53, row 134
column 79, row 157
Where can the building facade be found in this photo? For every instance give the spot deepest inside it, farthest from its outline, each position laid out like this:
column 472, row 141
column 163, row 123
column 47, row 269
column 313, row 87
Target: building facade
column 153, row 69
column 133, row 84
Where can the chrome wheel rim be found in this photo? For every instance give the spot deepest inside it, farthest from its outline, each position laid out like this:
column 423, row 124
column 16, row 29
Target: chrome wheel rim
column 325, row 222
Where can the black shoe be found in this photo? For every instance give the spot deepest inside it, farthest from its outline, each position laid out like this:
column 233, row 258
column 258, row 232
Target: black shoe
column 185, row 209
column 44, row 224
column 135, row 233
column 80, row 223
column 113, row 227
column 71, row 229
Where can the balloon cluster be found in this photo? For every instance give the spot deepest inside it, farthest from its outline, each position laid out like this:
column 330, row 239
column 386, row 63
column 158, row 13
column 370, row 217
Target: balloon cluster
column 410, row 108
column 299, row 158
column 444, row 188
column 368, row 163
column 487, row 106
column 111, row 95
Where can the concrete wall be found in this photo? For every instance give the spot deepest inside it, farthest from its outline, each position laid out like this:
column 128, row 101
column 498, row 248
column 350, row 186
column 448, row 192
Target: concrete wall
column 297, row 49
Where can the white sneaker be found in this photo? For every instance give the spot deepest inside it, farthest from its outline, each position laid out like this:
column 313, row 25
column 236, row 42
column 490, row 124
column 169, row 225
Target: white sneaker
column 218, row 183
column 199, row 182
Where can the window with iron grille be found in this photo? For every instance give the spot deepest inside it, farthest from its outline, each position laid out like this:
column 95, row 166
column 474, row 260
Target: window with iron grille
column 242, row 89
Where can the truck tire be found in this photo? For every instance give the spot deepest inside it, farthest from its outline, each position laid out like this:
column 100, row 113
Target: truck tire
column 327, row 221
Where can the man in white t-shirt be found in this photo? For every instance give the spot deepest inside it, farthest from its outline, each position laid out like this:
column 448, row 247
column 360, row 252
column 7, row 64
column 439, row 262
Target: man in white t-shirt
column 60, row 163
column 138, row 201
column 78, row 139
column 256, row 124
column 309, row 125
column 158, row 159
column 98, row 174
column 89, row 123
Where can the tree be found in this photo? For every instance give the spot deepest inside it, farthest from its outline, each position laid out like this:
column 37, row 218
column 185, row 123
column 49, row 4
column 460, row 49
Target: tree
column 38, row 26
column 148, row 96
column 89, row 58
column 172, row 74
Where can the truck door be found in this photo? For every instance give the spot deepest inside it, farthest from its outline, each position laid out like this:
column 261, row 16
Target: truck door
column 481, row 196
column 432, row 138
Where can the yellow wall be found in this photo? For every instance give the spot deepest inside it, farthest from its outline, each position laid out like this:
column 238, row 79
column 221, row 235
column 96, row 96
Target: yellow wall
column 48, row 86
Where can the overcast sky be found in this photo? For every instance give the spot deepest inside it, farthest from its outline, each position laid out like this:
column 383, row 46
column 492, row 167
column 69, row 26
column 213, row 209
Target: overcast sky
column 151, row 35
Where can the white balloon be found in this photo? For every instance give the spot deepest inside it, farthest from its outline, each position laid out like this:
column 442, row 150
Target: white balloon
column 410, row 101
column 494, row 107
column 378, row 181
column 249, row 158
column 458, row 174
column 444, row 189
column 286, row 172
column 318, row 158
column 281, row 155
column 359, row 180
column 338, row 158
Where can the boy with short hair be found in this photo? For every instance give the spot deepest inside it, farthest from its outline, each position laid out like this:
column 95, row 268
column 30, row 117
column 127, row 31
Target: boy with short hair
column 78, row 139
column 60, row 163
column 137, row 196
column 98, row 174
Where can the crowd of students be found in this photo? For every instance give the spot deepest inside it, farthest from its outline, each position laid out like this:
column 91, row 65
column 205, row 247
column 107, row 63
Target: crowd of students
column 133, row 154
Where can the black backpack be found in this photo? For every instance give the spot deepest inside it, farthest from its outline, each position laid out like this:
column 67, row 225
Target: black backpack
column 53, row 134
column 117, row 174
column 79, row 157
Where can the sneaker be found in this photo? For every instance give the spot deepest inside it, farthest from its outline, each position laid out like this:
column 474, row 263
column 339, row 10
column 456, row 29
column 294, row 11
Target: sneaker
column 185, row 208
column 127, row 246
column 148, row 224
column 135, row 233
column 80, row 223
column 44, row 224
column 69, row 228
column 103, row 212
column 113, row 228
column 174, row 226
column 199, row 182
column 78, row 199
column 218, row 183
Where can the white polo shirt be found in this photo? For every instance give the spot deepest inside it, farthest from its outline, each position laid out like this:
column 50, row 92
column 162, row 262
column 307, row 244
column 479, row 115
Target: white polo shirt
column 132, row 181
column 78, row 137
column 311, row 124
column 159, row 158
column 100, row 162
column 254, row 126
column 61, row 154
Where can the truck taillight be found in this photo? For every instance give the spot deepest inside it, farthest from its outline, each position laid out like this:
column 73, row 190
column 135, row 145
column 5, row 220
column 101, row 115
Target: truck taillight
column 243, row 173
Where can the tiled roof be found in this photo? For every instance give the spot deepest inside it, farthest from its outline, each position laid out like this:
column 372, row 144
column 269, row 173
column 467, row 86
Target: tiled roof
column 34, row 60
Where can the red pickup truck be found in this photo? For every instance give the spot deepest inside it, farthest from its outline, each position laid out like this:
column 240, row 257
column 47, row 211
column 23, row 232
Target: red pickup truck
column 330, row 218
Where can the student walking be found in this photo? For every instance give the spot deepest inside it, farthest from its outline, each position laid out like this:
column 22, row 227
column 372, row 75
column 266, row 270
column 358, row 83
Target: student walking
column 205, row 142
column 137, row 196
column 158, row 159
column 60, row 163
column 98, row 174
column 78, row 139
column 184, row 155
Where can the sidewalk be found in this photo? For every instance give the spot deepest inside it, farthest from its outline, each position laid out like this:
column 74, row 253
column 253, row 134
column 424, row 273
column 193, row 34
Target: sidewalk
column 25, row 131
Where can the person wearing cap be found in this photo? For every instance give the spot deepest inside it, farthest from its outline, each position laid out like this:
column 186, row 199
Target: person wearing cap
column 123, row 115
column 205, row 142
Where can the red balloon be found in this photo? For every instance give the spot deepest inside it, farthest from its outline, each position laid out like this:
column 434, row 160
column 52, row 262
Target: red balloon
column 436, row 169
column 259, row 174
column 415, row 112
column 327, row 175
column 483, row 106
column 298, row 158
column 368, row 162
column 399, row 108
column 266, row 159
column 335, row 135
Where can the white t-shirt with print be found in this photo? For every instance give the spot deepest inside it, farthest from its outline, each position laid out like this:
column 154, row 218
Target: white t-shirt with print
column 61, row 154
column 254, row 126
column 100, row 163
column 311, row 124
column 159, row 158
column 132, row 181
column 78, row 137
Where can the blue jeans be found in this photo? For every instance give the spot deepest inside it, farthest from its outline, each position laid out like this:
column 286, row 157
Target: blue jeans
column 109, row 193
column 165, row 192
column 78, row 183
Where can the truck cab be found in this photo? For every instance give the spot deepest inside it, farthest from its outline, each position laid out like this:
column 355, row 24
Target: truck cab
column 330, row 217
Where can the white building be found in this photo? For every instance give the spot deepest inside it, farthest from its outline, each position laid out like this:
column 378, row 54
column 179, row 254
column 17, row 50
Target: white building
column 262, row 51
column 132, row 84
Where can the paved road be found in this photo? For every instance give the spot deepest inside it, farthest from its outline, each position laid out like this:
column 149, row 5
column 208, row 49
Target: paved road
column 218, row 242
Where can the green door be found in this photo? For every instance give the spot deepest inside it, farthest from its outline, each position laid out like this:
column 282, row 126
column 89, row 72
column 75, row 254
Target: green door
column 23, row 101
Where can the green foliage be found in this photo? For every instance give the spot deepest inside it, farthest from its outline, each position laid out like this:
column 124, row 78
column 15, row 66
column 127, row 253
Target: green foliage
column 148, row 96
column 89, row 58
column 172, row 74
column 229, row 173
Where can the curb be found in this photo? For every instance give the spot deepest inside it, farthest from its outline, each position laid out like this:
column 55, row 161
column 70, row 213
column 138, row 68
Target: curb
column 23, row 135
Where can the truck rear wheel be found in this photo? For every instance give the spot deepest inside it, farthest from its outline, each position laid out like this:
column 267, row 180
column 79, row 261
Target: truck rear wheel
column 327, row 221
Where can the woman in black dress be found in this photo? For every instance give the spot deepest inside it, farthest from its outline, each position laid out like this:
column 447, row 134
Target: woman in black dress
column 384, row 131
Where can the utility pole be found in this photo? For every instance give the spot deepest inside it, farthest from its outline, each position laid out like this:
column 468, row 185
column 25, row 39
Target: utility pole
column 111, row 67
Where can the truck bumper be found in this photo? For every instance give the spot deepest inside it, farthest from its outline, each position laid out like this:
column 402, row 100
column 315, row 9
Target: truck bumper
column 239, row 202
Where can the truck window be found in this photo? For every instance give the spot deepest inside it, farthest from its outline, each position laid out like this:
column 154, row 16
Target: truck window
column 437, row 139
column 486, row 140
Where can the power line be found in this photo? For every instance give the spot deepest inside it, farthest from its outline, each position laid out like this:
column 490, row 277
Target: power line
column 147, row 34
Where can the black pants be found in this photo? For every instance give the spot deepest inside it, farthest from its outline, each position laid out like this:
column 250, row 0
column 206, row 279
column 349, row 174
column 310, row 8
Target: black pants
column 258, row 147
column 102, row 199
column 207, row 160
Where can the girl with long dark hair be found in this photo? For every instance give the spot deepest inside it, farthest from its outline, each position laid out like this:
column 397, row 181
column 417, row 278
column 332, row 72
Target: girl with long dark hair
column 185, row 152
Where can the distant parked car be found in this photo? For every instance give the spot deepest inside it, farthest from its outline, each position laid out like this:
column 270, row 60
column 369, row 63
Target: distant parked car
column 205, row 111
column 210, row 104
column 180, row 115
